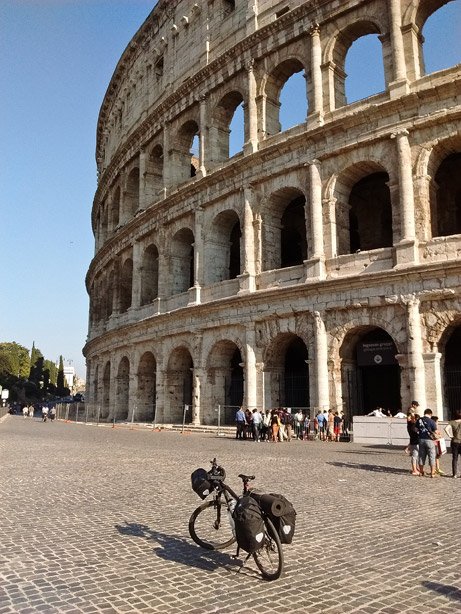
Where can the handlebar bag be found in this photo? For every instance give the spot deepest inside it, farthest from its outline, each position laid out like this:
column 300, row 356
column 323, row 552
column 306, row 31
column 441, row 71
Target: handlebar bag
column 249, row 524
column 200, row 483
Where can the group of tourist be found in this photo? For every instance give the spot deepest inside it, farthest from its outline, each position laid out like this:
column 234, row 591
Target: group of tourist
column 427, row 442
column 29, row 410
column 280, row 424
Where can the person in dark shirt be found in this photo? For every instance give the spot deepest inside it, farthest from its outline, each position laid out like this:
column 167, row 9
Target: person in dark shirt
column 426, row 432
column 413, row 447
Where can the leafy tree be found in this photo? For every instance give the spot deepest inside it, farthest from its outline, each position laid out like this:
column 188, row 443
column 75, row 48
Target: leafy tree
column 18, row 357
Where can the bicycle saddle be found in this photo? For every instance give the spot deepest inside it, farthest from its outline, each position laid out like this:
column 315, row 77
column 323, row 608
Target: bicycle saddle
column 246, row 478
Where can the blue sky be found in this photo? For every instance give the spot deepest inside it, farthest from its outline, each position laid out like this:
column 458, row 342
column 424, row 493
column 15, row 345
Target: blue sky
column 56, row 60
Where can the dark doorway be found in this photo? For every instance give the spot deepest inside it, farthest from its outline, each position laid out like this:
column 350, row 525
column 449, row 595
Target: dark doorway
column 453, row 372
column 296, row 375
column 236, row 380
column 377, row 376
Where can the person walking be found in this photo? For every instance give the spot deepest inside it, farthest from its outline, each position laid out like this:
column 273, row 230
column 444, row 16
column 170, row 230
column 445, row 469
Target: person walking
column 426, row 431
column 25, row 411
column 275, row 425
column 453, row 430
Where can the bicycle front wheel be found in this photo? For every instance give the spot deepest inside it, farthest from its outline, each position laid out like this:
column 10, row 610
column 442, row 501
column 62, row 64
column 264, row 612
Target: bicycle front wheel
column 269, row 558
column 209, row 526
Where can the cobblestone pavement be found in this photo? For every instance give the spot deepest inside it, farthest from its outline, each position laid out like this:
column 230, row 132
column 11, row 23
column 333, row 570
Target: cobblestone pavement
column 95, row 519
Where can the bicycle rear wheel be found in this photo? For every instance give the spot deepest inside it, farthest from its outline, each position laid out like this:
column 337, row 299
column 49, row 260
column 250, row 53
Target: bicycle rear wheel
column 209, row 526
column 269, row 558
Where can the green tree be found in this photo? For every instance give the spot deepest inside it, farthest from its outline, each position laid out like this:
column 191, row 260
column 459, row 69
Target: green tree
column 61, row 387
column 36, row 365
column 18, row 358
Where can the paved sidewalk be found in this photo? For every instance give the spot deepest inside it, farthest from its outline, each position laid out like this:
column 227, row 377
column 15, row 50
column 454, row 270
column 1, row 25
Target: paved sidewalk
column 94, row 519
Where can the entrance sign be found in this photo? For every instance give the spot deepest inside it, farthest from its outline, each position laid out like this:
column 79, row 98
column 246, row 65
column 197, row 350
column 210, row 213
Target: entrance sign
column 376, row 354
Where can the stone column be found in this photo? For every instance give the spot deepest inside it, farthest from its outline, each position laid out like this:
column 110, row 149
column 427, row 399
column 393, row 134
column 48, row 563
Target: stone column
column 137, row 275
column 247, row 278
column 316, row 72
column 406, row 249
column 166, row 159
column 415, row 350
column 203, row 154
column 321, row 362
column 194, row 292
column 434, row 394
column 316, row 256
column 159, row 397
column 198, row 380
column 399, row 85
column 143, row 159
column 250, row 370
column 251, row 144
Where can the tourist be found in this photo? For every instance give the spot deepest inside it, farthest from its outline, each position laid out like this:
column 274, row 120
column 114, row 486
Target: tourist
column 413, row 447
column 331, row 426
column 453, row 430
column 337, row 421
column 321, row 421
column 240, row 424
column 426, row 431
column 299, row 421
column 275, row 425
column 288, row 423
column 377, row 413
column 256, row 422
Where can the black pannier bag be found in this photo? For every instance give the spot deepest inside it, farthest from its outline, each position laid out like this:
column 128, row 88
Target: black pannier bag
column 281, row 512
column 249, row 524
column 200, row 483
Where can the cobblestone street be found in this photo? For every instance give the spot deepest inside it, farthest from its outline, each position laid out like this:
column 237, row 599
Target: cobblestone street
column 95, row 519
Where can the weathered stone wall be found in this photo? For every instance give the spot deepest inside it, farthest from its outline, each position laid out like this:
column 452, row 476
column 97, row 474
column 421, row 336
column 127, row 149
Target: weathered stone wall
column 210, row 271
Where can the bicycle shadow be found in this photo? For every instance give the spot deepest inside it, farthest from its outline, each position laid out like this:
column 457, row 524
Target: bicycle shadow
column 365, row 467
column 179, row 550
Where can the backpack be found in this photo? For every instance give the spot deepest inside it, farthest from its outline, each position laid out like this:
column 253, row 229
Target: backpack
column 249, row 524
column 200, row 483
column 281, row 512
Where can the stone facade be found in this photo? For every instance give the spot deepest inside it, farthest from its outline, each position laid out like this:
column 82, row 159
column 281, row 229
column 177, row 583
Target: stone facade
column 317, row 268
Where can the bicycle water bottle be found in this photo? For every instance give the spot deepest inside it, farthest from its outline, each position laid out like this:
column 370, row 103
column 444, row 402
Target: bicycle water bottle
column 230, row 512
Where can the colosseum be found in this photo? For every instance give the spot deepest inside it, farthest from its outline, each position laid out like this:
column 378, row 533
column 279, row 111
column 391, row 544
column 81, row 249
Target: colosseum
column 317, row 266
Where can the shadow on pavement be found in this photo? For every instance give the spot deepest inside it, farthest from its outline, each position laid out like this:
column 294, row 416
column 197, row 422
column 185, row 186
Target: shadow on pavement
column 451, row 592
column 179, row 550
column 374, row 468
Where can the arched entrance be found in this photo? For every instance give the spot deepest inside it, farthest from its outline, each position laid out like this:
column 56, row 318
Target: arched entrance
column 452, row 372
column 147, row 372
column 225, row 374
column 105, row 392
column 179, row 386
column 286, row 373
column 370, row 372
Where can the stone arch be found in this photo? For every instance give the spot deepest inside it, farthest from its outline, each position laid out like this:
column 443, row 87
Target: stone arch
column 222, row 248
column 286, row 371
column 413, row 22
column 370, row 372
column 126, row 285
column 131, row 196
column 106, row 388
column 273, row 85
column 179, row 384
column 122, row 390
column 153, row 178
column 284, row 229
column 146, row 394
column 149, row 274
column 360, row 223
column 182, row 261
column 184, row 162
column 336, row 51
column 222, row 116
column 444, row 169
column 115, row 208
column 226, row 377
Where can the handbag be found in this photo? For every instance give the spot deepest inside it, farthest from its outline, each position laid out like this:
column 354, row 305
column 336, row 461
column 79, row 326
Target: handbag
column 441, row 446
